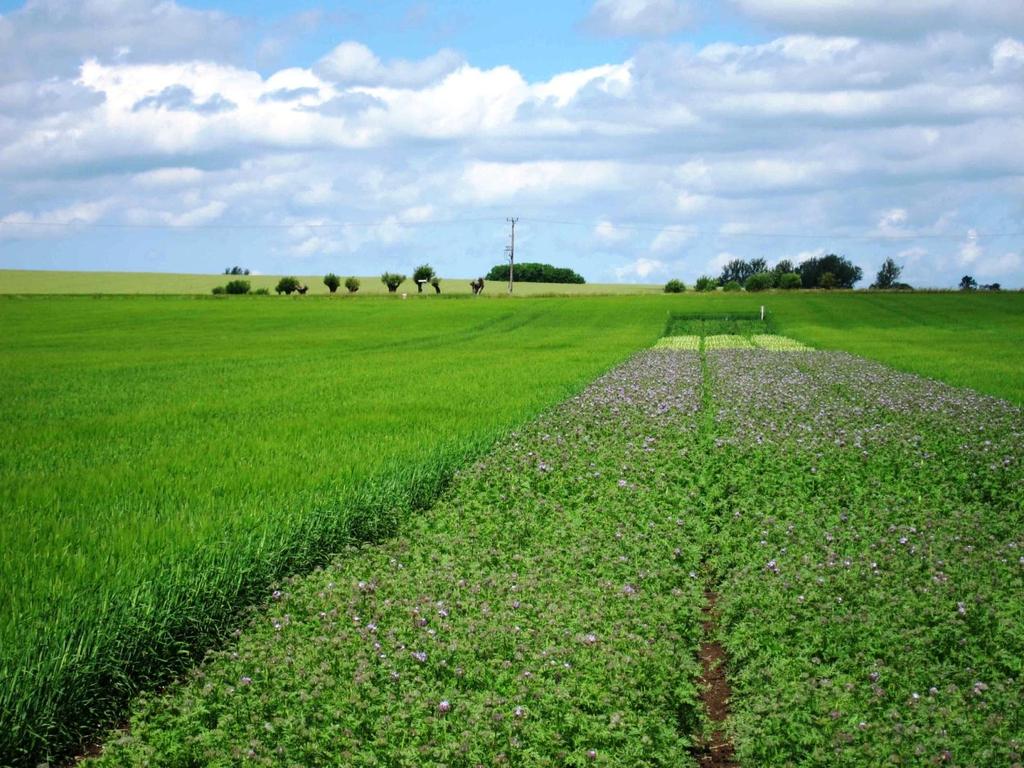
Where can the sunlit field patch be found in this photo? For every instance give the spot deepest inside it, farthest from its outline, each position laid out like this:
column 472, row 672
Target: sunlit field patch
column 726, row 341
column 689, row 343
column 775, row 343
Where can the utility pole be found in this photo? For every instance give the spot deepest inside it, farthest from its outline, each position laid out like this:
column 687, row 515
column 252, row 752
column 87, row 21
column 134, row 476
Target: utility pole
column 511, row 251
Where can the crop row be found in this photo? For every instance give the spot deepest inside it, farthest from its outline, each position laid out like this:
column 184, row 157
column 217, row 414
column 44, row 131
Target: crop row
column 871, row 560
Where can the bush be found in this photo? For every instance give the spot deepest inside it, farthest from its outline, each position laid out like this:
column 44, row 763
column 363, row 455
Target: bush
column 219, row 290
column 705, row 283
column 760, row 281
column 789, row 280
column 261, row 292
column 422, row 274
column 237, row 287
column 332, row 281
column 844, row 272
column 287, row 285
column 827, row 281
column 674, row 286
column 732, row 285
column 436, row 282
column 392, row 280
column 352, row 284
column 533, row 272
column 888, row 276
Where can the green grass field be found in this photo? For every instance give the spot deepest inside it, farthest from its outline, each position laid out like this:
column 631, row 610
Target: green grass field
column 163, row 458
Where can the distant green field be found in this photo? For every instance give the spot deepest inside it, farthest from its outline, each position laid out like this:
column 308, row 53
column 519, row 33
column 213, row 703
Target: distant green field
column 43, row 281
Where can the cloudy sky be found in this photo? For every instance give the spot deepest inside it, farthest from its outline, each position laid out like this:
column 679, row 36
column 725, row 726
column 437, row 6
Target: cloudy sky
column 637, row 140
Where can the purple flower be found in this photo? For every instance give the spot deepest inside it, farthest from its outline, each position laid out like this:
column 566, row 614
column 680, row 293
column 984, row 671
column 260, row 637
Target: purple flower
column 245, row 680
column 444, row 707
column 420, row 656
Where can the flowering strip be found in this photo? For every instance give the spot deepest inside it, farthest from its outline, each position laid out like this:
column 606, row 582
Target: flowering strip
column 871, row 558
column 690, row 343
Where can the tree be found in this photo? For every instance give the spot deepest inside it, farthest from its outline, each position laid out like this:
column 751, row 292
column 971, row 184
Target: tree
column 436, row 283
column 968, row 283
column 422, row 274
column 783, row 267
column 760, row 281
column 674, row 286
column 789, row 281
column 732, row 285
column 844, row 272
column 533, row 272
column 392, row 280
column 237, row 287
column 352, row 284
column 888, row 275
column 705, row 283
column 236, row 271
column 827, row 281
column 757, row 266
column 736, row 271
column 332, row 281
column 991, row 287
column 287, row 285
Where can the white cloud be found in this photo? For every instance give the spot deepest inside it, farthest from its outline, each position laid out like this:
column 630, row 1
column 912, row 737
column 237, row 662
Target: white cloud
column 352, row 63
column 489, row 181
column 671, row 240
column 642, row 268
column 638, row 18
column 1008, row 55
column 885, row 17
column 609, row 234
column 970, row 249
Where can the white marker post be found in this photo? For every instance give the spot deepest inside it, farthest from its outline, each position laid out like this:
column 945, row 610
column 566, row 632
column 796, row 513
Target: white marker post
column 762, row 313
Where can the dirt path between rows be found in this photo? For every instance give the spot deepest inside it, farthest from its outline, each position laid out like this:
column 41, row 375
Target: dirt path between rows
column 714, row 750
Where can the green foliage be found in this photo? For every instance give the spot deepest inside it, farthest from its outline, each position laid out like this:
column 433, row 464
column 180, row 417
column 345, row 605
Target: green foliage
column 716, row 325
column 422, row 275
column 238, row 287
column 968, row 283
column 332, row 281
column 705, row 283
column 392, row 280
column 261, row 292
column 532, row 272
column 352, row 284
column 760, row 281
column 844, row 273
column 732, row 285
column 789, row 280
column 827, row 280
column 735, row 271
column 236, row 271
column 888, row 275
column 675, row 286
column 219, row 290
column 287, row 285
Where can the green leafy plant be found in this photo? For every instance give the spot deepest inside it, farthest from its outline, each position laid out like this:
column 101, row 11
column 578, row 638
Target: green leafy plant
column 674, row 286
column 237, row 287
column 287, row 285
column 352, row 284
column 332, row 281
column 705, row 283
column 392, row 280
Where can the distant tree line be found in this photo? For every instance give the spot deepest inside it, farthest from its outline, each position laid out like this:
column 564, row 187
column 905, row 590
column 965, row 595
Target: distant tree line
column 533, row 272
column 829, row 271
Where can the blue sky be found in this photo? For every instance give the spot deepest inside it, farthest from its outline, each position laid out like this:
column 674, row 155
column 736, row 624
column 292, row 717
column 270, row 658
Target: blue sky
column 637, row 140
